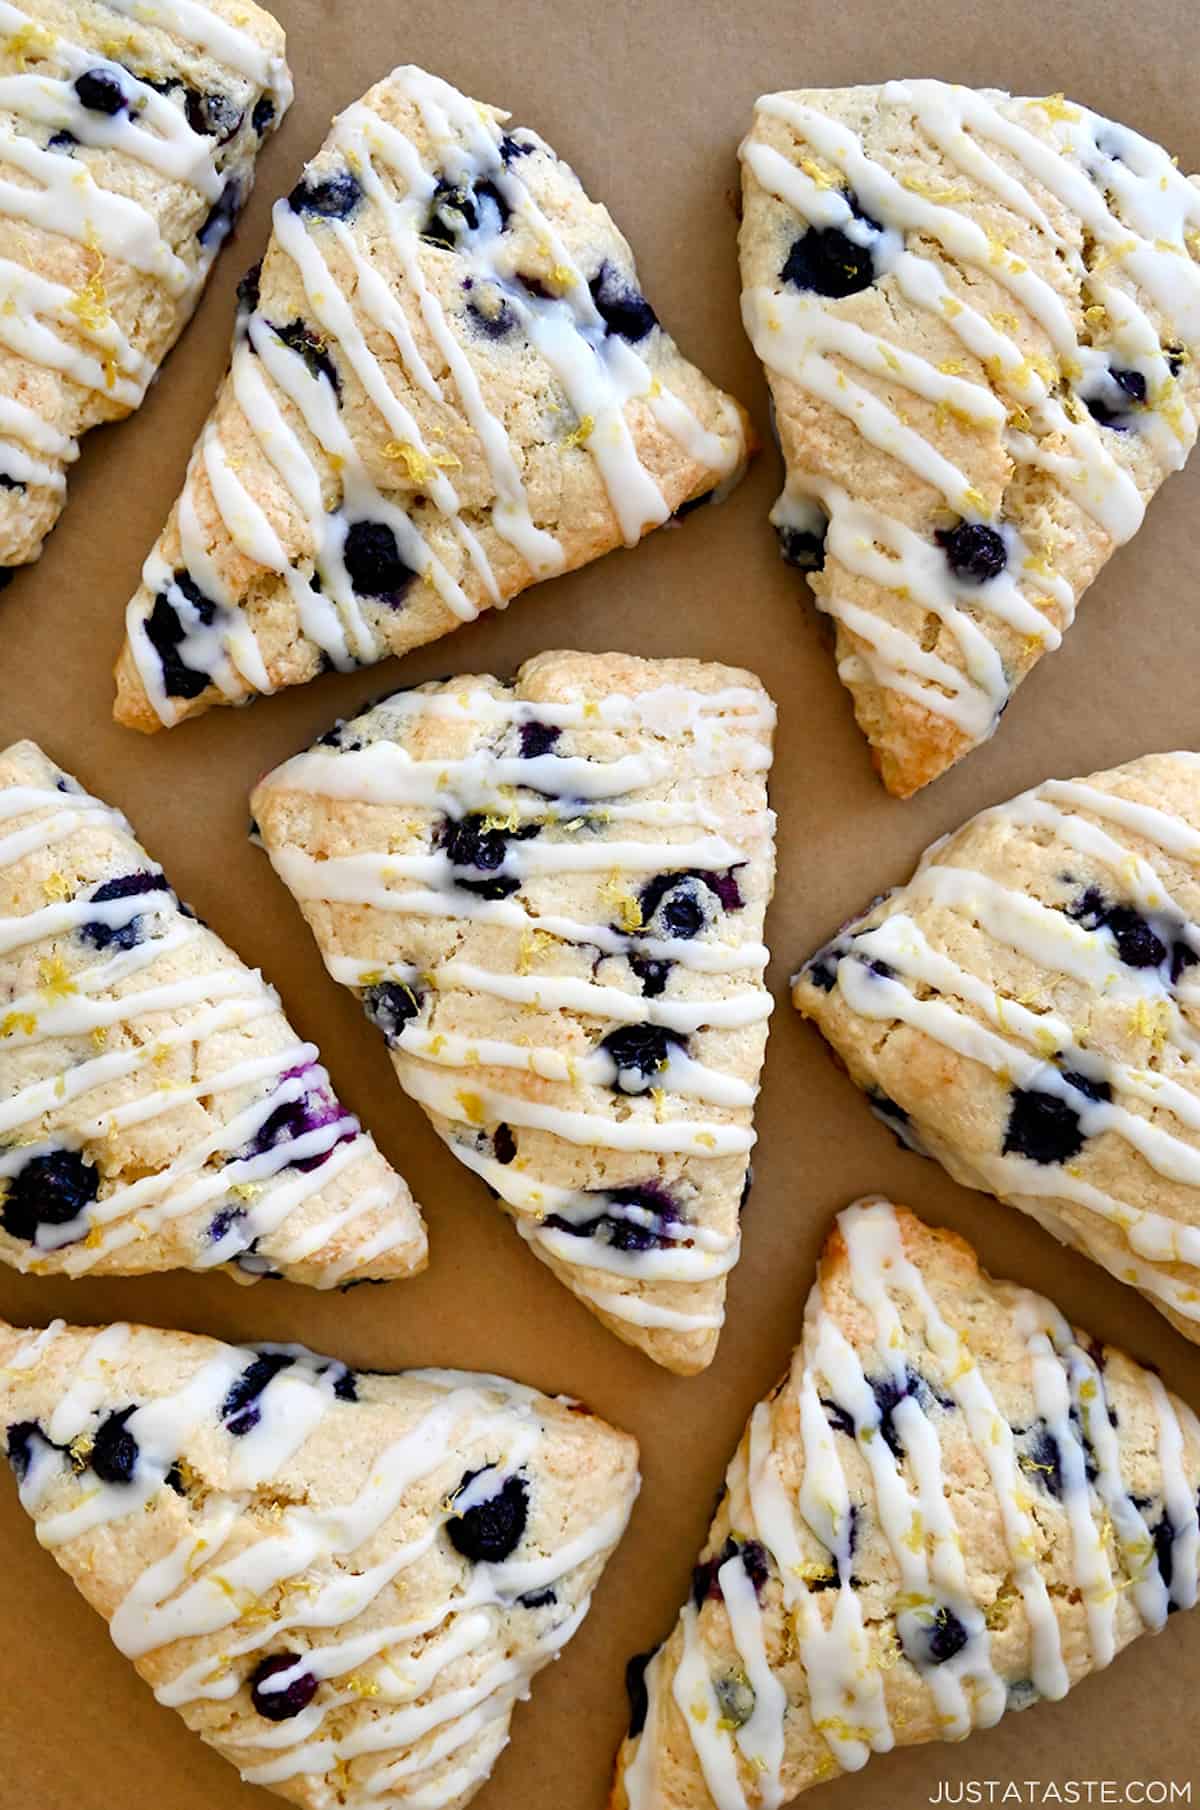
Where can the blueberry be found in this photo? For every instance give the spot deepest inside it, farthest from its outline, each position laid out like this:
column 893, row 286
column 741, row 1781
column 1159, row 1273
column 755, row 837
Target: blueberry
column 248, row 288
column 61, row 141
column 822, row 972
column 538, row 1599
column 174, row 1481
column 330, row 197
column 677, row 900
column 946, row 1636
column 241, row 1410
column 223, row 1222
column 165, row 632
column 1042, row 1459
column 735, row 1698
column 263, row 116
column 1042, row 1127
column 114, row 1454
column 512, row 147
column 621, row 1230
column 1182, row 956
column 50, row 1190
column 838, row 1417
column 1137, row 945
column 1089, row 909
column 974, row 552
column 1163, row 1536
column 1084, row 1084
column 19, row 1446
column 373, row 563
column 504, row 1145
column 537, row 739
column 213, row 115
column 826, row 262
column 635, row 1690
column 652, row 975
column 622, row 309
column 346, row 1386
column 293, row 1119
column 390, row 1006
column 801, row 548
column 890, row 1390
column 99, row 935
column 100, row 92
column 455, row 209
column 299, row 337
column 280, row 1705
column 1132, row 382
column 706, row 1583
column 219, row 220
column 639, row 1050
column 470, row 846
column 492, row 1530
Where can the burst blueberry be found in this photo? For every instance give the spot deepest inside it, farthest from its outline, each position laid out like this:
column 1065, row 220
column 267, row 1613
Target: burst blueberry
column 374, row 564
column 538, row 738
column 19, row 1446
column 826, row 261
column 736, row 1698
column 391, row 1005
column 49, row 1190
column 166, row 633
column 640, row 1051
column 241, row 1410
column 299, row 337
column 219, row 221
column 263, row 115
column 213, row 114
column 100, row 935
column 653, row 976
column 331, row 197
column 623, row 310
column 802, row 548
column 490, row 1531
column 1042, row 1127
column 100, row 91
column 473, row 848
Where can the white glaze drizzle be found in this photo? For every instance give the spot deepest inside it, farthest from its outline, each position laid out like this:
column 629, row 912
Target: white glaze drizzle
column 79, row 1004
column 799, row 339
column 723, row 733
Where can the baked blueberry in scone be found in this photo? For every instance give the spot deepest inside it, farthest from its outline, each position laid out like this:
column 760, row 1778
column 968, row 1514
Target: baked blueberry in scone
column 130, row 137
column 549, row 895
column 446, row 385
column 954, row 1504
column 979, row 318
column 1026, row 1010
column 157, row 1110
column 343, row 1582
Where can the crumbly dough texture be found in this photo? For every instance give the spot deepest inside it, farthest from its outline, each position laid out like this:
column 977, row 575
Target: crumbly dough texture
column 130, row 137
column 157, row 1110
column 446, row 385
column 549, row 895
column 344, row 1582
column 952, row 1505
column 979, row 317
column 1026, row 1010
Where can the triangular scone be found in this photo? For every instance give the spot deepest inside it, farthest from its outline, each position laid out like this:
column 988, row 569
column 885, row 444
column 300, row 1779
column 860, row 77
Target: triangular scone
column 953, row 1504
column 549, row 895
column 343, row 1582
column 979, row 318
column 130, row 129
column 1027, row 1010
column 446, row 384
column 157, row 1110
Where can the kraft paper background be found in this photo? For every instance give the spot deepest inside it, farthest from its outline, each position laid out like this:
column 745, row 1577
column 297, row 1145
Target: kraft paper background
column 648, row 101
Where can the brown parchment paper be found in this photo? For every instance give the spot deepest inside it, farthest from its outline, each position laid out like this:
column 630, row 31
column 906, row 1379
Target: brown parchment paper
column 648, row 101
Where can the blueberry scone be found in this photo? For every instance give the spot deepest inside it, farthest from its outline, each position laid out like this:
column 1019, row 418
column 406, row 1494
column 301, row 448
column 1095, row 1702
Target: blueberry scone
column 344, row 1583
column 128, row 136
column 1026, row 1010
column 446, row 385
column 549, row 896
column 157, row 1110
column 979, row 318
column 952, row 1505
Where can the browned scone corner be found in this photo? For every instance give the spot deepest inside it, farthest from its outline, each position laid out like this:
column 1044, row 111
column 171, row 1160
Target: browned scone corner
column 979, row 317
column 953, row 1505
column 446, row 385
